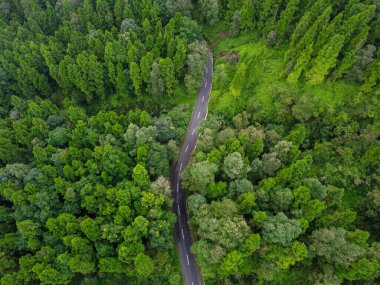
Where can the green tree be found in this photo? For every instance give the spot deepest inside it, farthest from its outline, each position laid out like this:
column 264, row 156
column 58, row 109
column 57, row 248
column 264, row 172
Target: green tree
column 332, row 245
column 209, row 10
column 144, row 265
column 286, row 18
column 233, row 166
column 182, row 6
column 280, row 229
column 168, row 74
column 146, row 67
column 157, row 84
column 215, row 190
column 199, row 176
column 231, row 263
column 179, row 59
column 90, row 229
column 326, row 59
column 247, row 15
column 140, row 175
column 136, row 77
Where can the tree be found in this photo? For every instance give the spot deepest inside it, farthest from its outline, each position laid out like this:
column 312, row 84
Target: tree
column 194, row 201
column 364, row 57
column 182, row 6
column 157, row 84
column 143, row 265
column 209, row 10
column 59, row 137
column 326, row 59
column 146, row 67
column 215, row 190
column 231, row 263
column 286, row 18
column 299, row 31
column 128, row 253
column 372, row 206
column 145, row 119
column 87, row 75
column 30, row 231
column 142, row 154
column 332, row 245
column 247, row 15
column 199, row 176
column 270, row 163
column 8, row 150
column 246, row 202
column 309, row 35
column 271, row 38
column 179, row 59
column 220, row 224
column 90, row 229
column 251, row 244
column 284, row 257
column 233, row 166
column 196, row 59
column 280, row 229
column 140, row 175
column 371, row 76
column 136, row 77
column 239, row 186
column 302, row 62
column 168, row 74
column 295, row 172
column 235, row 24
column 110, row 265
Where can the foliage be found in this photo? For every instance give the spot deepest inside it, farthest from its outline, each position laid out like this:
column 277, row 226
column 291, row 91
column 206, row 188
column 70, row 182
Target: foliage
column 83, row 200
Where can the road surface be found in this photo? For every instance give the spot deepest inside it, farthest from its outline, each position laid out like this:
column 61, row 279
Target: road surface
column 190, row 271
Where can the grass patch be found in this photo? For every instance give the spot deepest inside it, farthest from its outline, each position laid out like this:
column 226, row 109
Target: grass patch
column 231, row 43
column 180, row 96
column 211, row 33
column 155, row 104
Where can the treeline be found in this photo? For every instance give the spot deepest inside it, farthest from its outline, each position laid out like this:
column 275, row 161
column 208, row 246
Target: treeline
column 324, row 39
column 90, row 50
column 86, row 199
column 269, row 205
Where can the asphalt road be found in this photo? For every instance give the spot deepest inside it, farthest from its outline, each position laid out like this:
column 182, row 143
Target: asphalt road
column 190, row 271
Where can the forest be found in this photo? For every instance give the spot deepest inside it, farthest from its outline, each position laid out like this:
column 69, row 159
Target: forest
column 95, row 99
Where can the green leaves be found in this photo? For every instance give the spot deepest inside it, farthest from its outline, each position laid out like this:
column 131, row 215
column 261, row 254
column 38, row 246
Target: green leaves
column 90, row 229
column 199, row 176
column 140, row 176
column 326, row 59
column 334, row 247
column 143, row 265
column 93, row 206
column 280, row 229
column 136, row 77
column 233, row 166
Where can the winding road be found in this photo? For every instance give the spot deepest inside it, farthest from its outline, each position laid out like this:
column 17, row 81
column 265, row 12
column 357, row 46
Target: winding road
column 190, row 270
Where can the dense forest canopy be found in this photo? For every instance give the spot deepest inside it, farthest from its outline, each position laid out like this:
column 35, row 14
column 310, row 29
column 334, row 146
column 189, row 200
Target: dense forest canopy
column 96, row 51
column 284, row 185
